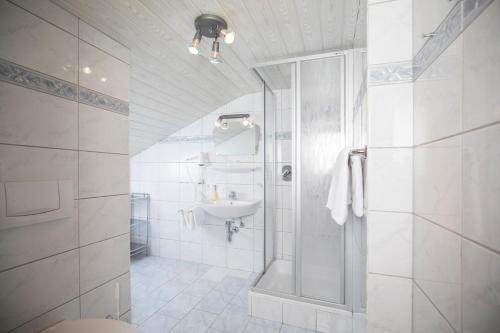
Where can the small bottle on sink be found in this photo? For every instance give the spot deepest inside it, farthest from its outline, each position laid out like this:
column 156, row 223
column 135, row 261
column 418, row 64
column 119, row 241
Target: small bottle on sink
column 215, row 194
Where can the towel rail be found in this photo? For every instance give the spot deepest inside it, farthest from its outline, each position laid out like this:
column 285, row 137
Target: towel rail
column 363, row 152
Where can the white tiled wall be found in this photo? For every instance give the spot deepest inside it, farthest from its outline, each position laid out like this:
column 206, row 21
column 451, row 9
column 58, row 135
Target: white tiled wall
column 389, row 303
column 284, row 227
column 437, row 97
column 456, row 252
column 307, row 316
column 164, row 171
column 389, row 36
column 433, row 166
column 389, row 168
column 69, row 268
column 46, row 48
column 27, row 118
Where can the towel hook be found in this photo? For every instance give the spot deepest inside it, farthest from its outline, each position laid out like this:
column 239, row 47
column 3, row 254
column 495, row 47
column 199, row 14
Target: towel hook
column 363, row 152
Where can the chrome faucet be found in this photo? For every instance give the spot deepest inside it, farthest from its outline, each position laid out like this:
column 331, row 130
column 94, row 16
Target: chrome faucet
column 232, row 195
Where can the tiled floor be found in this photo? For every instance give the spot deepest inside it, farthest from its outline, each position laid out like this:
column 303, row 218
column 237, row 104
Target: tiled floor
column 179, row 296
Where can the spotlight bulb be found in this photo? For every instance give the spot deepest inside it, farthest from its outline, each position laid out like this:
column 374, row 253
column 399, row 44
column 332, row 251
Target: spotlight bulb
column 214, row 55
column 195, row 44
column 228, row 36
column 217, row 123
column 216, row 60
column 246, row 122
column 193, row 50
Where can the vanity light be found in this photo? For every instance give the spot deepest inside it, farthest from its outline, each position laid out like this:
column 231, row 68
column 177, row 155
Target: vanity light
column 86, row 70
column 247, row 122
column 221, row 121
column 211, row 26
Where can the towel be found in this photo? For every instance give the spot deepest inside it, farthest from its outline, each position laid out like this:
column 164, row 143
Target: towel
column 339, row 196
column 183, row 218
column 196, row 216
column 357, row 185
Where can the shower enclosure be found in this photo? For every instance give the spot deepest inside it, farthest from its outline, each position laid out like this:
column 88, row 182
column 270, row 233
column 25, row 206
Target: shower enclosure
column 309, row 119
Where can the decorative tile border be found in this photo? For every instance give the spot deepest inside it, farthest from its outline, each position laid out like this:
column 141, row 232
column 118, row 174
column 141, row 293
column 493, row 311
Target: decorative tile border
column 98, row 100
column 447, row 31
column 459, row 18
column 209, row 138
column 396, row 72
column 187, row 139
column 472, row 8
column 31, row 79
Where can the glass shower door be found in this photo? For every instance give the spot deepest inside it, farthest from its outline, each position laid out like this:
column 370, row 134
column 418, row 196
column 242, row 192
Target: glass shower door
column 314, row 261
column 320, row 128
column 269, row 173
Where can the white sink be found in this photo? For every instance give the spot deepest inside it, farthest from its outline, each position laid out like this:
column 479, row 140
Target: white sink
column 227, row 209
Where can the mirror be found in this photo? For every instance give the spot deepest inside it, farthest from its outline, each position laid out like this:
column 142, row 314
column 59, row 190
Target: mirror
column 234, row 138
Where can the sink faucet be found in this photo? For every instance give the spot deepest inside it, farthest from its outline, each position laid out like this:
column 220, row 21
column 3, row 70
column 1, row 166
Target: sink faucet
column 232, row 195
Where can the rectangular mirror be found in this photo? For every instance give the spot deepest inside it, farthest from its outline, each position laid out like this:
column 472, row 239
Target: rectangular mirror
column 236, row 137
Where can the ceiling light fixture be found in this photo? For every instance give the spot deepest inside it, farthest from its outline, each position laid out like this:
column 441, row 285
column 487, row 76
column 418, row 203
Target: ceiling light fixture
column 87, row 70
column 211, row 26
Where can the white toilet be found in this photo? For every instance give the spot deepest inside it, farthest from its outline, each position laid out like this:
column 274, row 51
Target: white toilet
column 91, row 326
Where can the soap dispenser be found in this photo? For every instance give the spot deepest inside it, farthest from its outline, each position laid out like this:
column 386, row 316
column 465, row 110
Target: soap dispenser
column 215, row 194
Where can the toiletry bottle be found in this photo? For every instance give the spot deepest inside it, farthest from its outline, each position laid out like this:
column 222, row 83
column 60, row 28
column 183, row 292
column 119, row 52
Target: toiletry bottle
column 215, row 194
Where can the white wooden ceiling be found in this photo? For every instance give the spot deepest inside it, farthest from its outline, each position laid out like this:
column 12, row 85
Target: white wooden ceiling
column 171, row 88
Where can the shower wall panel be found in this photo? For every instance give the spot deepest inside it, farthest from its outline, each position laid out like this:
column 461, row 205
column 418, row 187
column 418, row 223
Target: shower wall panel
column 322, row 137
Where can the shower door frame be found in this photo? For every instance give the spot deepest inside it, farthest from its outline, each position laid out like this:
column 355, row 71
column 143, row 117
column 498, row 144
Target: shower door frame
column 347, row 104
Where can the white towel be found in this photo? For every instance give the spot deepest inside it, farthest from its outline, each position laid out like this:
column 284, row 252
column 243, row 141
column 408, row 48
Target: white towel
column 339, row 196
column 357, row 185
column 196, row 216
column 191, row 222
column 183, row 218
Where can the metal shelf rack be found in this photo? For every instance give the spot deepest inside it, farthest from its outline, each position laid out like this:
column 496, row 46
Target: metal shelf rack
column 140, row 217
